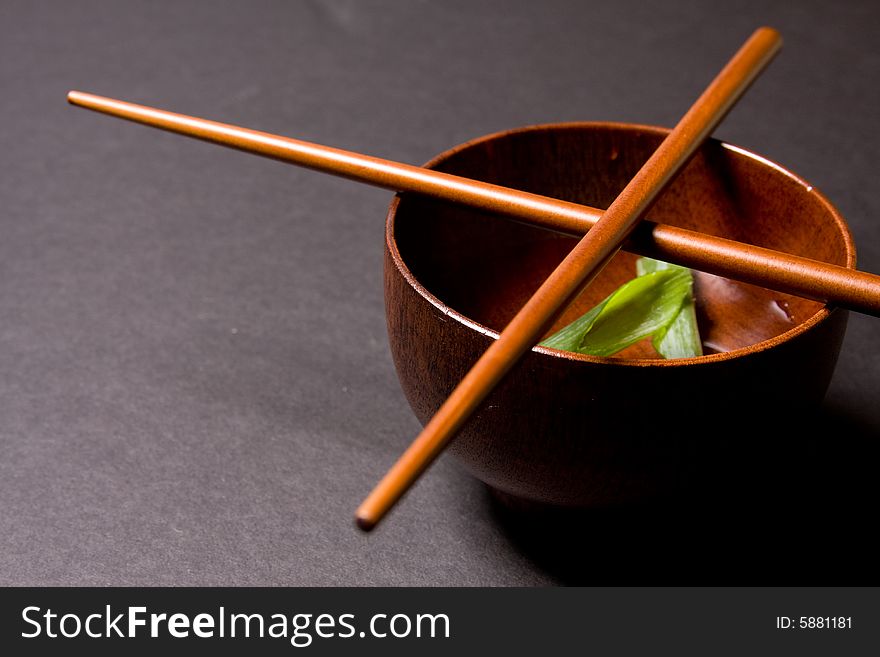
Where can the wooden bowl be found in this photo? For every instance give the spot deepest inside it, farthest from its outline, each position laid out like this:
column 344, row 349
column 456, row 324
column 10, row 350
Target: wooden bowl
column 574, row 430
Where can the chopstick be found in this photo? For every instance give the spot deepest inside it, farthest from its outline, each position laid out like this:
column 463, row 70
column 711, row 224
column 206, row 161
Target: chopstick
column 578, row 268
column 805, row 277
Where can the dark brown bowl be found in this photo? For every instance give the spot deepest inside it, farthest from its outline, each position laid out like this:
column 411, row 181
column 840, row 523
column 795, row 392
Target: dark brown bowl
column 576, row 430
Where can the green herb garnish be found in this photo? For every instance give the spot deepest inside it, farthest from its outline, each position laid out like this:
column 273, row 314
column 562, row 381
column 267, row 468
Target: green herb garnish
column 658, row 303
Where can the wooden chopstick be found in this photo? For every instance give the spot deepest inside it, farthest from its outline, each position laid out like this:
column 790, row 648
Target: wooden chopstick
column 805, row 277
column 594, row 250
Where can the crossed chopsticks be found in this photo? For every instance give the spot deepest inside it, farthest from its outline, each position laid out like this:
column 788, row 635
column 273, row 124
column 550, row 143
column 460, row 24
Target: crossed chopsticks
column 604, row 233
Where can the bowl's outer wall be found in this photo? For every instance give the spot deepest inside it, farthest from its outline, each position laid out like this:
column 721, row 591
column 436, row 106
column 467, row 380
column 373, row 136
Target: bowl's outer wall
column 583, row 433
column 579, row 433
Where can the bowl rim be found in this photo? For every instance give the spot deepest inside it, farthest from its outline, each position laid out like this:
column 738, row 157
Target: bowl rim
column 821, row 315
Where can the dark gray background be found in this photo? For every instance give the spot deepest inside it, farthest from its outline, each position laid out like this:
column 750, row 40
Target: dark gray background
column 195, row 385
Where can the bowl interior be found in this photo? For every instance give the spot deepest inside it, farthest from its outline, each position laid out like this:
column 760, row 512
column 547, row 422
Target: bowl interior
column 485, row 267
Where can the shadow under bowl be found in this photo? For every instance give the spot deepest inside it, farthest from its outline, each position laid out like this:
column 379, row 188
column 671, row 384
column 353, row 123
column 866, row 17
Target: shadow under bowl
column 575, row 430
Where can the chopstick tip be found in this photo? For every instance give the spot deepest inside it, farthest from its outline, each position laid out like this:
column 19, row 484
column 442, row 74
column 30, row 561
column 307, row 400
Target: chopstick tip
column 364, row 523
column 770, row 33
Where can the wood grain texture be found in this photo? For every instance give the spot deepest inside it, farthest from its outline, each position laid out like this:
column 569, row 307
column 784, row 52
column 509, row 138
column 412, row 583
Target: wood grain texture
column 576, row 430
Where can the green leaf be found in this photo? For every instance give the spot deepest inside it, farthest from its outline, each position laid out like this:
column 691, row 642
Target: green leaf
column 569, row 338
column 681, row 339
column 657, row 303
column 649, row 266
